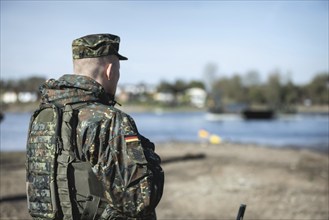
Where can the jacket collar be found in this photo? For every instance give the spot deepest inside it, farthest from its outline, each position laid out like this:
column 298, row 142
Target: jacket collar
column 72, row 88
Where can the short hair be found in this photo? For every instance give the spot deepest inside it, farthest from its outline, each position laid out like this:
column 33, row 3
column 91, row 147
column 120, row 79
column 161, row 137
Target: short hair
column 91, row 66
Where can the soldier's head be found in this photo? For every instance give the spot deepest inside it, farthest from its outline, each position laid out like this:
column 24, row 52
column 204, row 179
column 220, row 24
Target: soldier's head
column 97, row 56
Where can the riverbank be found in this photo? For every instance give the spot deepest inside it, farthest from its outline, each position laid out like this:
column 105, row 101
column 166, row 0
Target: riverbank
column 129, row 108
column 210, row 182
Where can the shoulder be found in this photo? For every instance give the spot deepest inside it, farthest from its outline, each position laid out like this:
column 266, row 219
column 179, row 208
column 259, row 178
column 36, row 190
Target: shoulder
column 113, row 117
column 97, row 112
column 126, row 122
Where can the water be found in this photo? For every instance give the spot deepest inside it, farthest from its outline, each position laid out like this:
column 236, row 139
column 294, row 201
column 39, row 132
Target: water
column 13, row 131
column 307, row 131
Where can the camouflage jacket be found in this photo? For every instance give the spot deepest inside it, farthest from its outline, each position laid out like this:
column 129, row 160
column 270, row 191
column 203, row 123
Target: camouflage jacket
column 121, row 158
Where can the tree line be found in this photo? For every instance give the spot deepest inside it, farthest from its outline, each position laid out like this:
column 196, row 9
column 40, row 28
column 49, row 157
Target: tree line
column 30, row 84
column 275, row 91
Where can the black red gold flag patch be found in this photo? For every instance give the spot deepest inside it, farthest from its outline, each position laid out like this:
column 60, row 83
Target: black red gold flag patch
column 131, row 138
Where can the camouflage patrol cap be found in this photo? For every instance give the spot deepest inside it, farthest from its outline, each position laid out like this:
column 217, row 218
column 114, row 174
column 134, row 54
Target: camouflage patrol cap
column 96, row 45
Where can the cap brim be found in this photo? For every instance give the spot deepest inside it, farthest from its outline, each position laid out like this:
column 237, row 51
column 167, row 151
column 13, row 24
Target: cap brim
column 122, row 57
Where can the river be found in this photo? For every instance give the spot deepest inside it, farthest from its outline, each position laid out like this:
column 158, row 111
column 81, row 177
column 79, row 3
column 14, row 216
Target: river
column 300, row 130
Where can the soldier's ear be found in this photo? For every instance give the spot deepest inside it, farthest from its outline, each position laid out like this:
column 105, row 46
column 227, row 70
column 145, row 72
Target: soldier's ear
column 108, row 71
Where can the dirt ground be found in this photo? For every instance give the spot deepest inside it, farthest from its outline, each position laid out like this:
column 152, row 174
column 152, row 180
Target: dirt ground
column 210, row 182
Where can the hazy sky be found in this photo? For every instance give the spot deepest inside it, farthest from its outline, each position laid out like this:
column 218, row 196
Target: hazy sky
column 169, row 40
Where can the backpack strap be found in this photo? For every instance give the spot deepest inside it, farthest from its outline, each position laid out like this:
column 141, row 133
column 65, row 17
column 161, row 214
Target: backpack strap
column 65, row 158
column 70, row 168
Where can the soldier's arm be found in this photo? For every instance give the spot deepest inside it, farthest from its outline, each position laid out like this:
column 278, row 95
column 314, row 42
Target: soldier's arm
column 132, row 175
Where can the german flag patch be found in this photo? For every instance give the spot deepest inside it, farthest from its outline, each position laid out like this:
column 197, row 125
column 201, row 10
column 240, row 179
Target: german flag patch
column 131, row 138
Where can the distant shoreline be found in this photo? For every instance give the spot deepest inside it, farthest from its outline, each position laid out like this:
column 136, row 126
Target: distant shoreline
column 129, row 108
column 134, row 108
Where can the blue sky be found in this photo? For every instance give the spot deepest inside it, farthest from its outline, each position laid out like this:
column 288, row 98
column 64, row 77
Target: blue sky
column 169, row 40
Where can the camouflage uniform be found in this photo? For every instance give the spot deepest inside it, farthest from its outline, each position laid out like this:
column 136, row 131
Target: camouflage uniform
column 121, row 158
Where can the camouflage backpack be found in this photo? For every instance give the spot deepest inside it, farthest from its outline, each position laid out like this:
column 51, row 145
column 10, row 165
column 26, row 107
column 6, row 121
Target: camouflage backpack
column 59, row 186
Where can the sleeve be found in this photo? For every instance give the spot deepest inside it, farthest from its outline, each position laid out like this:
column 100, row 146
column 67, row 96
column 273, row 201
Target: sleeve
column 132, row 175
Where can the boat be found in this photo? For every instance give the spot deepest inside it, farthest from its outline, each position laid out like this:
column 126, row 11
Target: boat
column 1, row 116
column 258, row 114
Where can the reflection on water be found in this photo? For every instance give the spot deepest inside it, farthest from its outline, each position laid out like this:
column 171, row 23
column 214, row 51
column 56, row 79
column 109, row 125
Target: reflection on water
column 299, row 130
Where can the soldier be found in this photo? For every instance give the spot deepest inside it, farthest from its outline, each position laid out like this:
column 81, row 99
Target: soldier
column 123, row 161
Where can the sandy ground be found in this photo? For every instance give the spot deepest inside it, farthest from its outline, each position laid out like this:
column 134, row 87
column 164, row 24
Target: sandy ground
column 210, row 182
